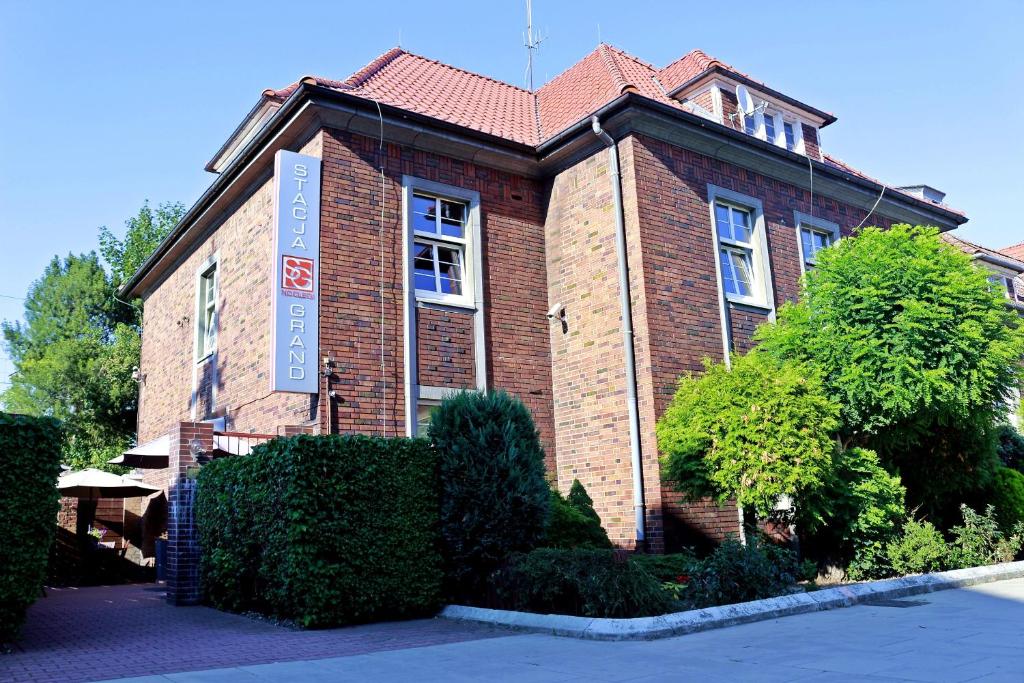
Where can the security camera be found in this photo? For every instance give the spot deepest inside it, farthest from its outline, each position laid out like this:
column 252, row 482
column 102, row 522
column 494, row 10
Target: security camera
column 556, row 311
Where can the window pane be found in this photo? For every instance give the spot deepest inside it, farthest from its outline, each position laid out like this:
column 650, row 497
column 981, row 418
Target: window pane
column 808, row 247
column 722, row 221
column 453, row 218
column 741, row 264
column 741, row 225
column 769, row 127
column 790, row 138
column 450, row 266
column 423, row 265
column 748, row 124
column 424, row 214
column 728, row 277
column 423, row 412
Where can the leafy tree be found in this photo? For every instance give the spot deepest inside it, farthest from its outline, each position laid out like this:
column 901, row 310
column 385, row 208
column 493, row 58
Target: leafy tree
column 143, row 232
column 917, row 347
column 754, row 433
column 73, row 355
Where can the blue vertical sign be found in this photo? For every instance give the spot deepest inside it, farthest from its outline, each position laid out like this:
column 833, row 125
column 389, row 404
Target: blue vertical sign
column 295, row 341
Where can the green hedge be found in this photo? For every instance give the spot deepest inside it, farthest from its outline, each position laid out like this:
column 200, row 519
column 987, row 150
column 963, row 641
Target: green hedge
column 323, row 530
column 30, row 450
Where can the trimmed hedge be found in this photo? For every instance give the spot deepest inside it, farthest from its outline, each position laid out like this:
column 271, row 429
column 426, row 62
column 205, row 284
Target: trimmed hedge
column 323, row 530
column 30, row 449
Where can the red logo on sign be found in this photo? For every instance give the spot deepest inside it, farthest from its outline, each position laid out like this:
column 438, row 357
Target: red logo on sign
column 297, row 274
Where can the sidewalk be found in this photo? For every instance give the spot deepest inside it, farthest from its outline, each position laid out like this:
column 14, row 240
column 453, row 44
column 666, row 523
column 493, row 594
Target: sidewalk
column 87, row 634
column 973, row 634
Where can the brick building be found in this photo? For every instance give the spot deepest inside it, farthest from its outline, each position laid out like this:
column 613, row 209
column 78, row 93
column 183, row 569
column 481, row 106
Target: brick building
column 580, row 246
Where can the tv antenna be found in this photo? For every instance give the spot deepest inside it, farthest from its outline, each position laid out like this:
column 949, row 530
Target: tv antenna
column 531, row 42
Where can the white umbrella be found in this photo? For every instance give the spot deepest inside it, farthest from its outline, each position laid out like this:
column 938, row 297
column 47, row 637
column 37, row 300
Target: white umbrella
column 93, row 484
column 148, row 456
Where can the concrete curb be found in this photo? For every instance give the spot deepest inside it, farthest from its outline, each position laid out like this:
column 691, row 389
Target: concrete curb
column 680, row 623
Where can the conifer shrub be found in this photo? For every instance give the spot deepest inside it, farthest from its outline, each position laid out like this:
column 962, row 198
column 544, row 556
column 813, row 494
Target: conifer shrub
column 30, row 449
column 494, row 499
column 573, row 522
column 322, row 530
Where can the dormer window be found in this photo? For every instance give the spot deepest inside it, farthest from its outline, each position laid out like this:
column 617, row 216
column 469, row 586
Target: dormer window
column 1002, row 283
column 769, row 127
column 787, row 128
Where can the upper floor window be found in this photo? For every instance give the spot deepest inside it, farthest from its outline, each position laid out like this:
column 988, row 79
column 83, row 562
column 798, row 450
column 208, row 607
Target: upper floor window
column 439, row 251
column 206, row 321
column 812, row 241
column 769, row 127
column 736, row 249
column 749, row 125
column 1003, row 283
column 787, row 128
column 813, row 234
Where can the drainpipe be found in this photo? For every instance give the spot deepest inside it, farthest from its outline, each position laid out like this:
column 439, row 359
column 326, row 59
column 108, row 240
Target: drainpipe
column 627, row 329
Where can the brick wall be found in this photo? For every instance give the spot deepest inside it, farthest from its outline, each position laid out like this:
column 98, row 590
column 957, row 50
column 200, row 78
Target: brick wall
column 588, row 368
column 237, row 375
column 518, row 356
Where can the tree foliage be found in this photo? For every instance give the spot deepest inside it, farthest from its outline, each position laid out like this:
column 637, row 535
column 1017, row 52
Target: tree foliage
column 73, row 355
column 917, row 347
column 754, row 433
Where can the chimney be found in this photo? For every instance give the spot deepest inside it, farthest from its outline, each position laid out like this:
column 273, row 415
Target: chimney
column 926, row 192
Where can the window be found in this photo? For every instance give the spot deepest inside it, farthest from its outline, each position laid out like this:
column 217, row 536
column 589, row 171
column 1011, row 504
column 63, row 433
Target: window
column 423, row 412
column 206, row 332
column 734, row 225
column 439, row 246
column 811, row 242
column 1003, row 283
column 769, row 127
column 787, row 128
column 749, row 124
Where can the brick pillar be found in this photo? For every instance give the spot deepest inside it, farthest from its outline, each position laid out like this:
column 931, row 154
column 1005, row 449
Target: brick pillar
column 182, row 543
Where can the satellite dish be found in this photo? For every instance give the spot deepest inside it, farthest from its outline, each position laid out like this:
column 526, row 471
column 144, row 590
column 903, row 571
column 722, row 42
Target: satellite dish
column 746, row 102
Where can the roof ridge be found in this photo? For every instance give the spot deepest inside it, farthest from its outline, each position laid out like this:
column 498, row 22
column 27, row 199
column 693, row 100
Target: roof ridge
column 364, row 74
column 630, row 55
column 619, row 80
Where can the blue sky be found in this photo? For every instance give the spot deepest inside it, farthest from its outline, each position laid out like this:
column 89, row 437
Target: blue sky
column 107, row 104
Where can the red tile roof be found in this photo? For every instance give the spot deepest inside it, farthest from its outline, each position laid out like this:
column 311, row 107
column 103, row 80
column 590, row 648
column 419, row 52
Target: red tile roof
column 431, row 88
column 974, row 248
column 1015, row 251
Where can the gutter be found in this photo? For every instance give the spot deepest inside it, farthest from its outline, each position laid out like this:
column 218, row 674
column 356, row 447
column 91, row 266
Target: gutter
column 625, row 305
column 1002, row 261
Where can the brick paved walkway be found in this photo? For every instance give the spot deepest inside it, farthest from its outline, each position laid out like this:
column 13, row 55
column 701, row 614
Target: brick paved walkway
column 89, row 634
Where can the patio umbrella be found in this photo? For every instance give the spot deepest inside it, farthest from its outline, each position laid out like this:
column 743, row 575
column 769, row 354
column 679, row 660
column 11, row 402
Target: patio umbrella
column 93, row 484
column 152, row 455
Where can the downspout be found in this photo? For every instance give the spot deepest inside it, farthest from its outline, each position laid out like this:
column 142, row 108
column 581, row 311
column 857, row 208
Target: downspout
column 627, row 330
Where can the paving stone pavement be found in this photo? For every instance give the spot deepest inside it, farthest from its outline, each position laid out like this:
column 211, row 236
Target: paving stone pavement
column 971, row 634
column 88, row 634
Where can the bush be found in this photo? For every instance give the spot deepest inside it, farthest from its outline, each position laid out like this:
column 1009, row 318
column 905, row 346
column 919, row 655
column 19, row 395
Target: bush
column 980, row 542
column 853, row 516
column 30, row 450
column 752, row 434
column 1006, row 494
column 573, row 523
column 493, row 495
column 919, row 550
column 735, row 572
column 672, row 568
column 1010, row 447
column 586, row 583
column 322, row 530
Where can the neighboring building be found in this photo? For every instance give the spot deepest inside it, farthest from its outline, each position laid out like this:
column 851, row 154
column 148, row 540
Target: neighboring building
column 473, row 234
column 1007, row 266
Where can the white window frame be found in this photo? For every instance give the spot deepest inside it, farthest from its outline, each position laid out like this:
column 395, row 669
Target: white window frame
column 207, row 315
column 468, row 247
column 804, row 221
column 762, row 294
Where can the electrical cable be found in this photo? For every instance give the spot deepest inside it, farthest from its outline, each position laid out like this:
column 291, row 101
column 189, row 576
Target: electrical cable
column 877, row 202
column 383, row 365
column 810, row 167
